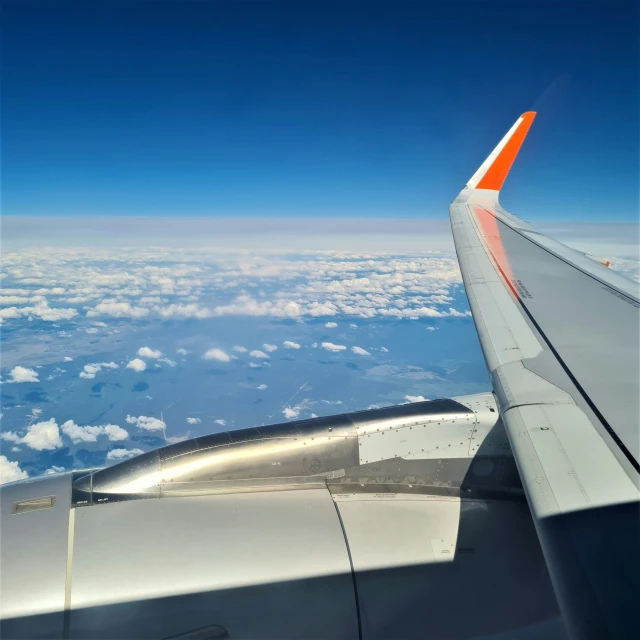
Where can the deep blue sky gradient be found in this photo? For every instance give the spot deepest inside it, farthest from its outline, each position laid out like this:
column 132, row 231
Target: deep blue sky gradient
column 314, row 109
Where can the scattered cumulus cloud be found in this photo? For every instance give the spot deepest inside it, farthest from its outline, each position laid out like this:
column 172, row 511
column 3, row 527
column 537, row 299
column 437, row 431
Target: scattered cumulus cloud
column 80, row 434
column 90, row 433
column 288, row 344
column 10, row 471
column 359, row 351
column 68, row 359
column 123, row 454
column 10, row 436
column 261, row 387
column 182, row 352
column 291, row 412
column 217, row 354
column 220, row 421
column 240, row 349
column 329, row 346
column 414, row 398
column 384, row 350
column 137, row 365
column 258, row 354
column 193, row 421
column 117, row 310
column 115, row 432
column 269, row 347
column 147, row 423
column 146, row 352
column 53, row 470
column 89, row 370
column 331, row 325
column 23, row 374
column 43, row 436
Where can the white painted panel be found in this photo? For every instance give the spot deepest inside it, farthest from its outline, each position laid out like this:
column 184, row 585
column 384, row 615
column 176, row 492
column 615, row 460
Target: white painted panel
column 444, row 439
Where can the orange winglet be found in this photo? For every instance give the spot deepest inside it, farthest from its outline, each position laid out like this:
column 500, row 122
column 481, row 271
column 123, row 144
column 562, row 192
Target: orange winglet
column 497, row 172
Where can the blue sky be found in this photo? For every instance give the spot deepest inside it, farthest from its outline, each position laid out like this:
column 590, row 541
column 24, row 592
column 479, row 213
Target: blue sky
column 316, row 109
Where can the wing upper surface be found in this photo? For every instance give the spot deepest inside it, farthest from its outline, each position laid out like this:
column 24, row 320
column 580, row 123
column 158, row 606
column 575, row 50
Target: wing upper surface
column 560, row 335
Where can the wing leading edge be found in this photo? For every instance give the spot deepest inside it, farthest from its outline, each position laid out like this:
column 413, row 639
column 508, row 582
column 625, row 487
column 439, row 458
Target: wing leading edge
column 559, row 333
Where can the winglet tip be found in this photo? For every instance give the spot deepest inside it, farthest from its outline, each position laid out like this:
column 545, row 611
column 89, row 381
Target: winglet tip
column 494, row 170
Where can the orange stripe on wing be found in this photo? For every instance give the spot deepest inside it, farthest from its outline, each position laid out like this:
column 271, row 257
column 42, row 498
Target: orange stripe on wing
column 497, row 172
column 490, row 232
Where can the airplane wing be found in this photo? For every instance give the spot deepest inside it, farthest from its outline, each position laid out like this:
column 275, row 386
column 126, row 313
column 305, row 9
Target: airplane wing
column 560, row 336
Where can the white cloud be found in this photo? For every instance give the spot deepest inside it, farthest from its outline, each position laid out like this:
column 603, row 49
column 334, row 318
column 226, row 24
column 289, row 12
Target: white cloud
column 269, row 347
column 115, row 433
column 240, row 349
column 23, row 374
column 193, row 421
column 137, row 365
column 10, row 436
column 123, row 454
column 146, row 422
column 41, row 310
column 10, row 471
column 384, row 350
column 329, row 346
column 146, row 352
column 91, row 330
column 90, row 433
column 118, row 310
column 217, row 354
column 68, row 359
column 258, row 354
column 415, row 398
column 291, row 412
column 261, row 387
column 353, row 326
column 89, row 370
column 53, row 469
column 166, row 361
column 255, row 365
column 220, row 421
column 182, row 352
column 43, row 436
column 80, row 434
column 288, row 344
column 183, row 311
column 359, row 351
column 331, row 325
column 430, row 328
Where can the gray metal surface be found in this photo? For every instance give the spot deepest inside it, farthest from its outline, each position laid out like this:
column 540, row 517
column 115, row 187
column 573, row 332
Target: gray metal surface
column 33, row 547
column 267, row 565
column 430, row 567
column 317, row 447
column 242, row 547
column 593, row 327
